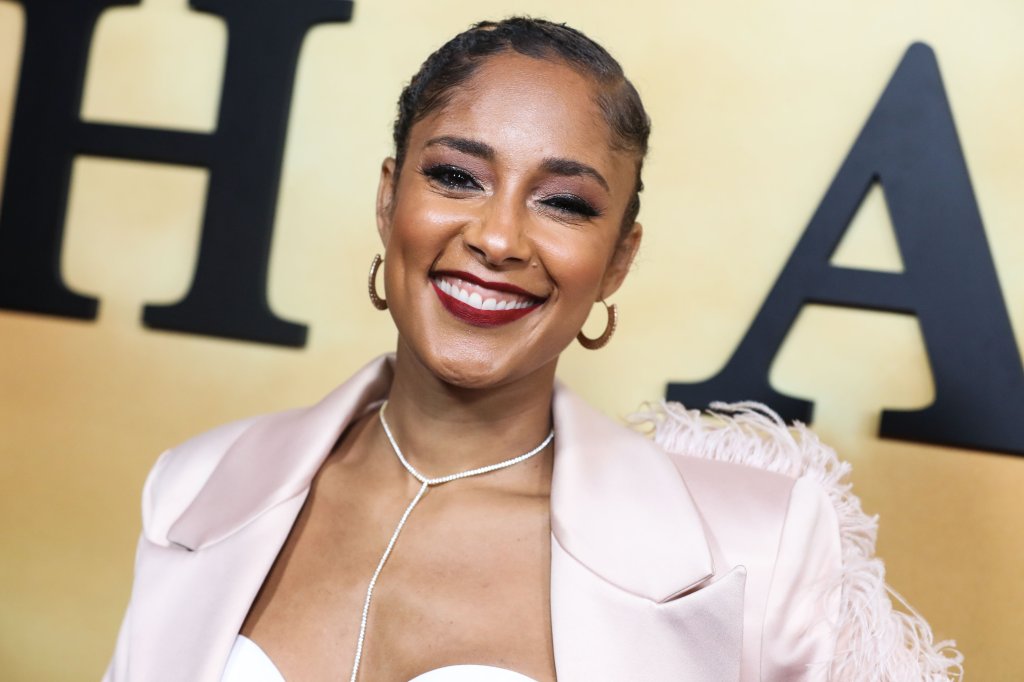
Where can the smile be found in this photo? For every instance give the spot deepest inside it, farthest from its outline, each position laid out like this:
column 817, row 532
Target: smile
column 481, row 303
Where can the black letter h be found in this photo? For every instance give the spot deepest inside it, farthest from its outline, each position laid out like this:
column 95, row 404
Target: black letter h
column 227, row 296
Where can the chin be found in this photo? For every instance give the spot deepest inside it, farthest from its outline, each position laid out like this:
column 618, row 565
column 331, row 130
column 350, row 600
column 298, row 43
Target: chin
column 479, row 368
column 470, row 371
column 478, row 359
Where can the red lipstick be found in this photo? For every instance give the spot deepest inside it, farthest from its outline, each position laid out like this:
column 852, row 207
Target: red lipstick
column 483, row 318
column 496, row 286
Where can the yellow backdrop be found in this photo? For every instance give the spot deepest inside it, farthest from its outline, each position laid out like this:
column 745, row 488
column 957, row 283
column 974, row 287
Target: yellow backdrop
column 755, row 105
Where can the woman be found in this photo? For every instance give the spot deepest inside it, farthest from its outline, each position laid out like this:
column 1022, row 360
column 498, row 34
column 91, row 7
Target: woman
column 451, row 512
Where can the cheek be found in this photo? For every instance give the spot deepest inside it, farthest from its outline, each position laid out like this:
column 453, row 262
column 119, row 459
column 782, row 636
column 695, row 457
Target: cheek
column 577, row 266
column 420, row 230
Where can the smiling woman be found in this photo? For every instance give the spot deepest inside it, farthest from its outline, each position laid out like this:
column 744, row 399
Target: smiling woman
column 514, row 186
column 452, row 512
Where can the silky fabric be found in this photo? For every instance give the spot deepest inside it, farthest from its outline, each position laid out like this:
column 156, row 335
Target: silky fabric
column 249, row 663
column 663, row 567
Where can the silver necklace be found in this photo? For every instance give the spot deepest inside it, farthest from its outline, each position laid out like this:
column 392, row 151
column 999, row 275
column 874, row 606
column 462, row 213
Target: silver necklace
column 425, row 483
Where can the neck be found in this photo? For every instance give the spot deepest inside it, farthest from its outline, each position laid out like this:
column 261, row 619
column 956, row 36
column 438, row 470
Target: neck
column 444, row 429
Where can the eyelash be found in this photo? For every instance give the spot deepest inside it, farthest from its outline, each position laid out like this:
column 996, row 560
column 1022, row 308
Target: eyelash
column 451, row 177
column 570, row 204
column 457, row 179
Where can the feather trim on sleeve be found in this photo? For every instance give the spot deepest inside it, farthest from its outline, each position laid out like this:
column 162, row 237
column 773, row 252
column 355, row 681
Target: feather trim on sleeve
column 875, row 641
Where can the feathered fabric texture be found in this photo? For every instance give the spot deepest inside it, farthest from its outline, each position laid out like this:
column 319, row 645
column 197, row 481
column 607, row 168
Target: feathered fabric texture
column 875, row 641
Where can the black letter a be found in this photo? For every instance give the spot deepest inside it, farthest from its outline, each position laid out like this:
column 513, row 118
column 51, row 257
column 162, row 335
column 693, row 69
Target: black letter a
column 909, row 145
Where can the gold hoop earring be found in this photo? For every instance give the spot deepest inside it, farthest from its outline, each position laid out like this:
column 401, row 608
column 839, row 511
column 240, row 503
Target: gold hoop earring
column 378, row 302
column 601, row 341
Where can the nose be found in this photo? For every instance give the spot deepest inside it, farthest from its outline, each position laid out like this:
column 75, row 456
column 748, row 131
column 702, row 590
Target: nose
column 498, row 235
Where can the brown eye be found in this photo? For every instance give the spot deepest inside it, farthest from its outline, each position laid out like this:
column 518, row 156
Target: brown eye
column 451, row 177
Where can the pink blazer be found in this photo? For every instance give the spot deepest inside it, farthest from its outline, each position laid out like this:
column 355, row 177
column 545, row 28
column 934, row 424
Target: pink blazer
column 663, row 566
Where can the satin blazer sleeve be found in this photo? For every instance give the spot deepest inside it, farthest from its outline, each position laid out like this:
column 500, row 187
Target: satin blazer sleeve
column 117, row 669
column 798, row 635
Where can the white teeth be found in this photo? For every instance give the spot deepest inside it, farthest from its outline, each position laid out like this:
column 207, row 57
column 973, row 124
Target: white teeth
column 477, row 301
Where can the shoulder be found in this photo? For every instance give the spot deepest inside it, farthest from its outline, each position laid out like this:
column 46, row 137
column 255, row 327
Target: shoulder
column 745, row 452
column 180, row 473
column 750, row 472
column 224, row 478
column 736, row 468
column 761, row 484
column 753, row 443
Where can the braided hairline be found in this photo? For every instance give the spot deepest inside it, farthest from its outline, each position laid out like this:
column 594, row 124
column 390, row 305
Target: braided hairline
column 457, row 60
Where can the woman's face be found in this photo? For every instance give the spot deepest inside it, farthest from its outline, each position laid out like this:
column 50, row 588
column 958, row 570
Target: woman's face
column 503, row 227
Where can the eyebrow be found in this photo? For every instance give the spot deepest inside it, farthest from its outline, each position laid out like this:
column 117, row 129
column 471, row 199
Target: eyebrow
column 555, row 166
column 464, row 145
column 568, row 167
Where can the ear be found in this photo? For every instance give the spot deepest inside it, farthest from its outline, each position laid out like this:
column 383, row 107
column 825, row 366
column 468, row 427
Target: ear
column 385, row 199
column 621, row 260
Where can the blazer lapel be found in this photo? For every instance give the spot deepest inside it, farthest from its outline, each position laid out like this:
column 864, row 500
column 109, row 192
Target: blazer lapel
column 275, row 459
column 239, row 520
column 187, row 607
column 633, row 590
column 634, row 593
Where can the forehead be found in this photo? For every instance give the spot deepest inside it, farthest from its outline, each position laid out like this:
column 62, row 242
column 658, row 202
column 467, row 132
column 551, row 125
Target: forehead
column 528, row 108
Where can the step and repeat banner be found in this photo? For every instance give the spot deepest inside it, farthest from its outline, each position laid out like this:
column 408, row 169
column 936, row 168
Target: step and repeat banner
column 833, row 214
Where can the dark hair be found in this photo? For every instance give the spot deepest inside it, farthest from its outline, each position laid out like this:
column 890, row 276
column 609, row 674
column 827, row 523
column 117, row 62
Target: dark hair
column 458, row 59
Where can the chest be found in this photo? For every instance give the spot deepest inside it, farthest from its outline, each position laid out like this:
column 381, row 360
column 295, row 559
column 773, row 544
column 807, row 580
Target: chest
column 467, row 582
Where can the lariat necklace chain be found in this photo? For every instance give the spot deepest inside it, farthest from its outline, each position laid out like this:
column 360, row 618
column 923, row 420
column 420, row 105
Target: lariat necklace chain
column 425, row 484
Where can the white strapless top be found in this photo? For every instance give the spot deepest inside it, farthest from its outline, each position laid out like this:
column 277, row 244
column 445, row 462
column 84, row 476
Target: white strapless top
column 249, row 663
